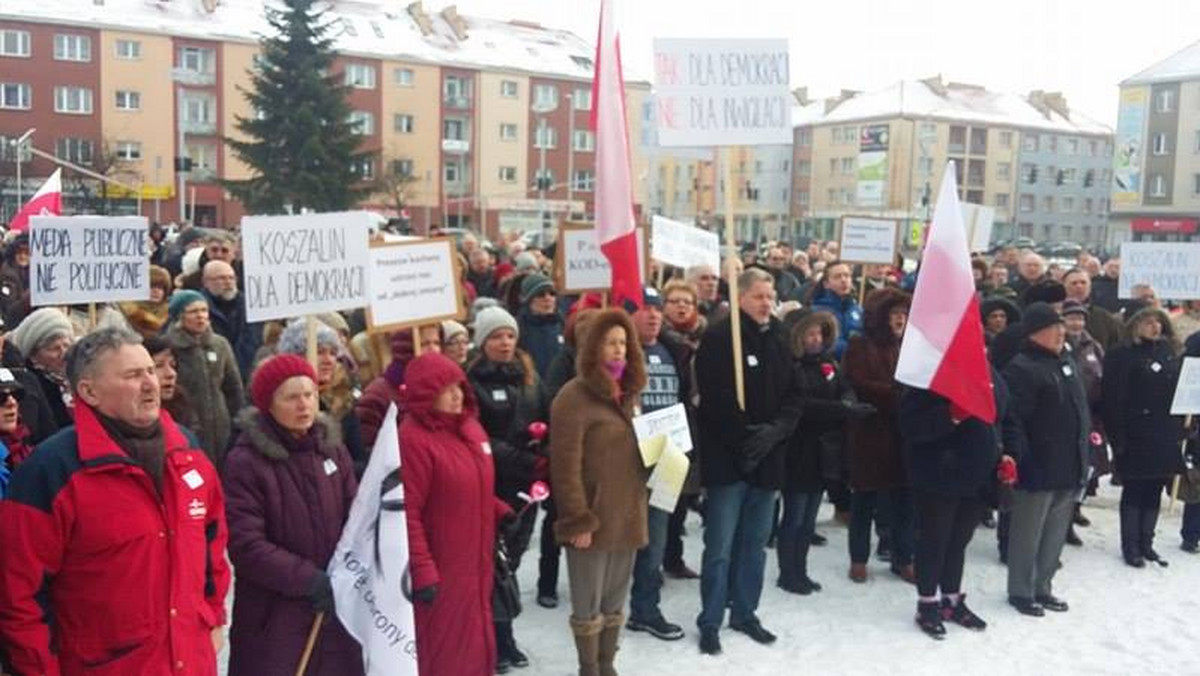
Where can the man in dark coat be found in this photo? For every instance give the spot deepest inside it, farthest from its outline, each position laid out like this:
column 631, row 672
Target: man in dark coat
column 1047, row 433
column 541, row 334
column 1101, row 324
column 227, row 312
column 742, row 458
column 1006, row 344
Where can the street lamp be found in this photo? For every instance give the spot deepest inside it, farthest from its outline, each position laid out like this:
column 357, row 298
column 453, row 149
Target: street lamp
column 541, row 108
column 19, row 146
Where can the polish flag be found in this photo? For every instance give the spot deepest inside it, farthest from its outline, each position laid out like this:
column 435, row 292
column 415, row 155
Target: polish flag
column 943, row 345
column 615, row 225
column 47, row 201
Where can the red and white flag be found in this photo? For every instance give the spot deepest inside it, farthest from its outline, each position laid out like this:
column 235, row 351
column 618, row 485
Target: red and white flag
column 47, row 201
column 615, row 225
column 943, row 347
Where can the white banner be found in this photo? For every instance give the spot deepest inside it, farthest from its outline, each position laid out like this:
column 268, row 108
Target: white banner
column 722, row 92
column 413, row 283
column 372, row 587
column 306, row 264
column 1172, row 269
column 684, row 245
column 868, row 240
column 1187, row 390
column 88, row 259
column 582, row 265
column 671, row 421
column 978, row 220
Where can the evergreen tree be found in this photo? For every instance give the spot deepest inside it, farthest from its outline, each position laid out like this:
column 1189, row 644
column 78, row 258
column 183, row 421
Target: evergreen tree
column 300, row 146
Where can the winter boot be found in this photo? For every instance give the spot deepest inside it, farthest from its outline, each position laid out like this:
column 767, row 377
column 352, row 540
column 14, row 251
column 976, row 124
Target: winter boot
column 786, row 552
column 1131, row 536
column 929, row 619
column 610, row 637
column 1149, row 521
column 956, row 611
column 507, row 652
column 587, row 644
column 858, row 572
column 1073, row 537
column 1079, row 519
column 807, row 584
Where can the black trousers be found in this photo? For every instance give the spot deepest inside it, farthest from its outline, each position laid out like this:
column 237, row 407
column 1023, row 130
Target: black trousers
column 944, row 528
column 548, row 561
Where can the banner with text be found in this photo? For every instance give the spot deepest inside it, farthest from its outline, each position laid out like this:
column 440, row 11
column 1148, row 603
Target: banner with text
column 413, row 283
column 88, row 259
column 722, row 92
column 868, row 240
column 872, row 166
column 581, row 267
column 1172, row 269
column 300, row 265
column 684, row 245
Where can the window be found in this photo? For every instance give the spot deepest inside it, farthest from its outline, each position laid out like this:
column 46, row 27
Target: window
column 1006, row 138
column 360, row 76
column 847, row 197
column 1026, row 203
column 582, row 99
column 129, row 49
column 1051, row 176
column 9, row 151
column 508, row 131
column 1029, row 142
column 833, row 165
column 546, row 137
column 197, row 60
column 199, row 109
column 127, row 100
column 804, row 137
column 402, row 168
column 454, row 129
column 1160, row 144
column 1048, row 204
column 1164, row 101
column 508, row 174
column 69, row 47
column 803, row 168
column 403, row 77
column 958, row 139
column 361, row 122
column 364, row 168
column 1001, row 200
column 1072, row 146
column 545, row 97
column 978, row 141
column 204, row 160
column 1066, row 229
column 847, row 165
column 15, row 96
column 129, row 150
column 75, row 150
column 584, row 142
column 1052, row 144
column 925, row 166
column 1068, row 205
column 510, row 89
column 14, row 43
column 1088, row 203
column 584, row 180
column 544, row 176
column 758, row 166
column 74, row 100
column 929, row 130
column 456, row 92
column 402, row 123
column 1004, row 169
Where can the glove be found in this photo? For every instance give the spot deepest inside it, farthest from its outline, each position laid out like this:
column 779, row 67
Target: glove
column 320, row 593
column 859, row 410
column 1006, row 470
column 763, row 439
column 426, row 595
column 541, row 468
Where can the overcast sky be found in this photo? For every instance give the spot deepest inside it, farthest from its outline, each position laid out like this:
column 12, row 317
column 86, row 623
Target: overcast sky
column 1080, row 47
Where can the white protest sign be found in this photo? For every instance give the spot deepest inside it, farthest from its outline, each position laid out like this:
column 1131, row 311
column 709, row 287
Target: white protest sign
column 721, row 92
column 683, row 245
column 1187, row 391
column 306, row 264
column 88, row 259
column 868, row 240
column 413, row 283
column 667, row 479
column 1172, row 269
column 671, row 421
column 978, row 220
column 581, row 265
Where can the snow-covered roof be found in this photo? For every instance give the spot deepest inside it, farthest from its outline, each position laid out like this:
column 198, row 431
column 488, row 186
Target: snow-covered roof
column 371, row 28
column 950, row 101
column 1182, row 65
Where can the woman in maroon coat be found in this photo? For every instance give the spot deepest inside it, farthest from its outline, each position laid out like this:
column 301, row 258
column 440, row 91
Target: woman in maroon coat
column 452, row 515
column 289, row 483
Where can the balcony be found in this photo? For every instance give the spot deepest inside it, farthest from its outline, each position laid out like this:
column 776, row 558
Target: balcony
column 202, row 127
column 193, row 78
column 456, row 146
column 456, row 102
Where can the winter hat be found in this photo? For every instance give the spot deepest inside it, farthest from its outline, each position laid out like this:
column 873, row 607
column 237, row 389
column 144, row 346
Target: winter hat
column 534, row 284
column 335, row 321
column 180, row 300
column 651, row 297
column 482, row 303
column 38, row 328
column 9, row 382
column 191, row 261
column 160, row 277
column 294, row 339
column 1037, row 317
column 451, row 328
column 526, row 262
column 1046, row 291
column 491, row 320
column 272, row 373
column 187, row 237
column 1074, row 307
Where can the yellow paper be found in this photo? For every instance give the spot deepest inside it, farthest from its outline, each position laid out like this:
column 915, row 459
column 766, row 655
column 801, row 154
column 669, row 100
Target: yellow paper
column 652, row 449
column 666, row 481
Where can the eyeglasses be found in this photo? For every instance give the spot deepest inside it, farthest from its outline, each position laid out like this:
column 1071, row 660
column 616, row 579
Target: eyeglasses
column 15, row 395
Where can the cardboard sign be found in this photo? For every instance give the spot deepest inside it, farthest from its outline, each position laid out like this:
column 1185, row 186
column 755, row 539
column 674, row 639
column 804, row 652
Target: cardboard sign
column 88, row 259
column 671, row 421
column 978, row 220
column 1187, row 391
column 306, row 264
column 413, row 283
column 868, row 240
column 683, row 245
column 1172, row 269
column 722, row 92
column 580, row 266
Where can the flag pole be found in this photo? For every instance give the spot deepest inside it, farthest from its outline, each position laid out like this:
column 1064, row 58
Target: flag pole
column 735, row 315
column 310, row 644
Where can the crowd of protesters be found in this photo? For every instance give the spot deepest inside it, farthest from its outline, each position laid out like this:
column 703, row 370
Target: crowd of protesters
column 154, row 451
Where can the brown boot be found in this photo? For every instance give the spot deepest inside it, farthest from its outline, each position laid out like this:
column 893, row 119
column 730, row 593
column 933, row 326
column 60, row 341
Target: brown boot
column 858, row 572
column 609, row 639
column 587, row 644
column 906, row 573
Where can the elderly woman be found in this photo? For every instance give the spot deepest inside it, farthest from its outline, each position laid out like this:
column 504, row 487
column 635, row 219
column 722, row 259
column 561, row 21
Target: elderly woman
column 337, row 391
column 43, row 338
column 289, row 485
column 600, row 484
column 1139, row 382
column 147, row 317
column 456, row 341
column 452, row 514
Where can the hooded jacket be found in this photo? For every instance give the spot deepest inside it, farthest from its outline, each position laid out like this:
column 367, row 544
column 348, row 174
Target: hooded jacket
column 846, row 310
column 509, row 397
column 816, row 450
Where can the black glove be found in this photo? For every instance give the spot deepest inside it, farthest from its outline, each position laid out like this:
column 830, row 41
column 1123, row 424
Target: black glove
column 320, row 593
column 763, row 439
column 859, row 410
column 426, row 595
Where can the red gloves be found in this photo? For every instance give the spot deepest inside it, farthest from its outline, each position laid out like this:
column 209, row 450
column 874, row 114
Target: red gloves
column 1006, row 470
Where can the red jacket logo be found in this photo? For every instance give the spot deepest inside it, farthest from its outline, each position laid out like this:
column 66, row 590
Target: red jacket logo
column 196, row 509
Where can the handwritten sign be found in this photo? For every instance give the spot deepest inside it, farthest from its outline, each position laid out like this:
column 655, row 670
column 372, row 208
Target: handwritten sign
column 668, row 476
column 722, row 92
column 88, row 259
column 306, row 264
column 1187, row 391
column 671, row 421
column 413, row 283
column 978, row 220
column 683, row 245
column 1172, row 269
column 868, row 240
column 580, row 266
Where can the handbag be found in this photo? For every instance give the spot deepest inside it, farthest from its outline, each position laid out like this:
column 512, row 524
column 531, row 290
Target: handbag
column 1189, row 486
column 506, row 595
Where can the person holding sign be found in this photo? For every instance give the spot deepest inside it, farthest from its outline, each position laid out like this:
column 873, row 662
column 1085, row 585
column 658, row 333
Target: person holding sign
column 1140, row 375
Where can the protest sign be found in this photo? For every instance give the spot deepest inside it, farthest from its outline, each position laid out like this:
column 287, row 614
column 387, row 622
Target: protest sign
column 978, row 220
column 683, row 245
column 1187, row 390
column 1172, row 269
column 88, row 259
column 580, row 266
column 722, row 92
column 306, row 264
column 868, row 240
column 413, row 283
column 669, row 474
column 671, row 421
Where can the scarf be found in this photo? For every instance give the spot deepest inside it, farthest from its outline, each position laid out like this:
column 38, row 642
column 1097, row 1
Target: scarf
column 145, row 445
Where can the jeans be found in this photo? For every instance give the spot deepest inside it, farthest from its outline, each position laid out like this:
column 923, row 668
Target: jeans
column 897, row 509
column 647, row 570
column 737, row 524
column 673, row 553
column 1190, row 532
column 795, row 534
column 944, row 528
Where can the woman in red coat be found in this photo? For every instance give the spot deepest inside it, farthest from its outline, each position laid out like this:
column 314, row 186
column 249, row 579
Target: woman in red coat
column 452, row 514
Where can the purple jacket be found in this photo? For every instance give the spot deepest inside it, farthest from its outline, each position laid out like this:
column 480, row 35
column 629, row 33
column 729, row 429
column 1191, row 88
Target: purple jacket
column 286, row 504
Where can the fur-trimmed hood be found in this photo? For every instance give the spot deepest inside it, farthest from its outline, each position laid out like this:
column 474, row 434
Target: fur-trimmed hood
column 590, row 369
column 993, row 303
column 254, row 424
column 879, row 304
column 802, row 320
column 1168, row 329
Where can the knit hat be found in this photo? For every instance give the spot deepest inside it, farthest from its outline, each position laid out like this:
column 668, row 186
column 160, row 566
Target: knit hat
column 534, row 284
column 451, row 328
column 294, row 339
column 1037, row 317
column 160, row 277
column 1072, row 306
column 481, row 303
column 180, row 300
column 526, row 262
column 272, row 373
column 491, row 320
column 38, row 328
column 335, row 321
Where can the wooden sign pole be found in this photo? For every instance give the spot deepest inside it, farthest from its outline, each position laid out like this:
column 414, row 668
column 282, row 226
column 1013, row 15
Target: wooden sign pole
column 416, row 338
column 735, row 315
column 311, row 324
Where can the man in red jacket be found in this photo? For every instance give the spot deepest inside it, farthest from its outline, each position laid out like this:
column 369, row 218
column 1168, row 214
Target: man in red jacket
column 114, row 533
